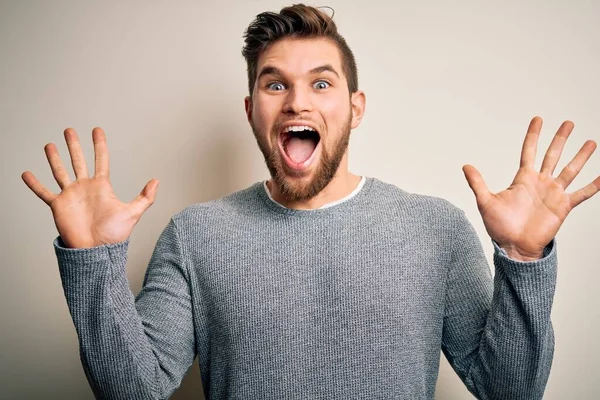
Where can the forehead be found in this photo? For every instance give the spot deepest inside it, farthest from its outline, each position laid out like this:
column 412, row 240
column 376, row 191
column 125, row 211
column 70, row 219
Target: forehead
column 299, row 56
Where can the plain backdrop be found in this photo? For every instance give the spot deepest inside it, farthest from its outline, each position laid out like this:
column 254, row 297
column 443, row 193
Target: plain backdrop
column 447, row 83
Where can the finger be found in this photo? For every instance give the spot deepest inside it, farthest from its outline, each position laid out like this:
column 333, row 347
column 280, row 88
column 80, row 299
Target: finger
column 144, row 200
column 37, row 188
column 530, row 143
column 56, row 165
column 477, row 185
column 572, row 169
column 556, row 147
column 585, row 192
column 101, row 152
column 77, row 159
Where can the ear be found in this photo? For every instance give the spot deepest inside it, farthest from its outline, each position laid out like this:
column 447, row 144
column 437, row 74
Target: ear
column 358, row 102
column 248, row 105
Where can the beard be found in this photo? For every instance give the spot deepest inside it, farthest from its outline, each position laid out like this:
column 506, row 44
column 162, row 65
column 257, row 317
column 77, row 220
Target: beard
column 293, row 189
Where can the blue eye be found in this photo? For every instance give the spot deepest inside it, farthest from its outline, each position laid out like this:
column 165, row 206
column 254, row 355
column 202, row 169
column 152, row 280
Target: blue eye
column 275, row 86
column 321, row 85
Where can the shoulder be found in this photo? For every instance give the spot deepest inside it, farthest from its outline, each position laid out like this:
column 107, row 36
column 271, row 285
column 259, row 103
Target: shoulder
column 429, row 219
column 231, row 207
column 389, row 196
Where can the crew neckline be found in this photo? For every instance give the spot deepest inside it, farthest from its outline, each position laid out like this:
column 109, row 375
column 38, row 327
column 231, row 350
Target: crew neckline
column 347, row 201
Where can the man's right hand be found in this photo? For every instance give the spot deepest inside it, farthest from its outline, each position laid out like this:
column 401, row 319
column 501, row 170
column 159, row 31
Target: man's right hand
column 87, row 213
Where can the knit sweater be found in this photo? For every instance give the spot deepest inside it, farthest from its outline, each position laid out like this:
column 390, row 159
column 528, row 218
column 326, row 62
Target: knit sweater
column 353, row 301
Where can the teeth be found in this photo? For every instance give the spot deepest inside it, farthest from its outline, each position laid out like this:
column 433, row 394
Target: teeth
column 298, row 128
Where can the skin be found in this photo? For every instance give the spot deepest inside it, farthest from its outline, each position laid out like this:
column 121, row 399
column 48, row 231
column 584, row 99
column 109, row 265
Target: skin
column 86, row 212
column 526, row 216
column 522, row 219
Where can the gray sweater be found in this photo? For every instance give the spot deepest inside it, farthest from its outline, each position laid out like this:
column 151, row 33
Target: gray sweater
column 353, row 301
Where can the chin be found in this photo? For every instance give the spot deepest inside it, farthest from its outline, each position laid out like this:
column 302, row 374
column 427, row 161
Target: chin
column 303, row 185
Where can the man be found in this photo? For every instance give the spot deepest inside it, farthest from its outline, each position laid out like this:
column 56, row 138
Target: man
column 317, row 284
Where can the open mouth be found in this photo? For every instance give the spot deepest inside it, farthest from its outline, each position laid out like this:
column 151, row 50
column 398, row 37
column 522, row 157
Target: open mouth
column 299, row 143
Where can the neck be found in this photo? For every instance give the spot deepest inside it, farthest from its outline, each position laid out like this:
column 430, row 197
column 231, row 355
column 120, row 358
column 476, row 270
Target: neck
column 342, row 184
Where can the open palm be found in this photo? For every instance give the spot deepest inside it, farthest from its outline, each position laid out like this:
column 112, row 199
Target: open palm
column 526, row 216
column 87, row 212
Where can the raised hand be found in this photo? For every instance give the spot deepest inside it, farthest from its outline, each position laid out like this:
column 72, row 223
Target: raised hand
column 524, row 218
column 87, row 212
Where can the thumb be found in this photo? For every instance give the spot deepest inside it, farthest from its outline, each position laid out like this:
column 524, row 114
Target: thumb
column 477, row 184
column 145, row 199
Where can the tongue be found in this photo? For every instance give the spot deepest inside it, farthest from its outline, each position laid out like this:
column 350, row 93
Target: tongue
column 299, row 150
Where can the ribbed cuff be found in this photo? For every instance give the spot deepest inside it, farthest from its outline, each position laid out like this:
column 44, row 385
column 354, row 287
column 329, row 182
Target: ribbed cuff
column 547, row 263
column 89, row 255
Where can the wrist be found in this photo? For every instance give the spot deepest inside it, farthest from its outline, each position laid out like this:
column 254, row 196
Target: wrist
column 517, row 254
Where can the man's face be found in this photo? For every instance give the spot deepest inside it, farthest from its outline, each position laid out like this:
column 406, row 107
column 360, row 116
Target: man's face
column 301, row 113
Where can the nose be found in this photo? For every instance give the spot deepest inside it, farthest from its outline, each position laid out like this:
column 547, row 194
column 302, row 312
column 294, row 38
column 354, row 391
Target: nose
column 297, row 101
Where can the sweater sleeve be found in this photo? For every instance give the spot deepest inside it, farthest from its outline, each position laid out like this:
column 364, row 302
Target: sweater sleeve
column 497, row 333
column 130, row 348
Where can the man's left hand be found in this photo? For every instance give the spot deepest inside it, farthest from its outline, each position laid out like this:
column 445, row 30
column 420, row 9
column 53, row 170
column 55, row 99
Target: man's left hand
column 526, row 216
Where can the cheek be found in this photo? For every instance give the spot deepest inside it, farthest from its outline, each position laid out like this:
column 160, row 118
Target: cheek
column 334, row 112
column 264, row 114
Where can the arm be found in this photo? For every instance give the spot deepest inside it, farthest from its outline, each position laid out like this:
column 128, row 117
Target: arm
column 130, row 348
column 503, row 348
column 497, row 334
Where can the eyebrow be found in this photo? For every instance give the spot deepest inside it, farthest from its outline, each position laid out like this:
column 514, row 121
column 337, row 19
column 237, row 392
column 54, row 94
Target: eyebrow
column 270, row 70
column 324, row 68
